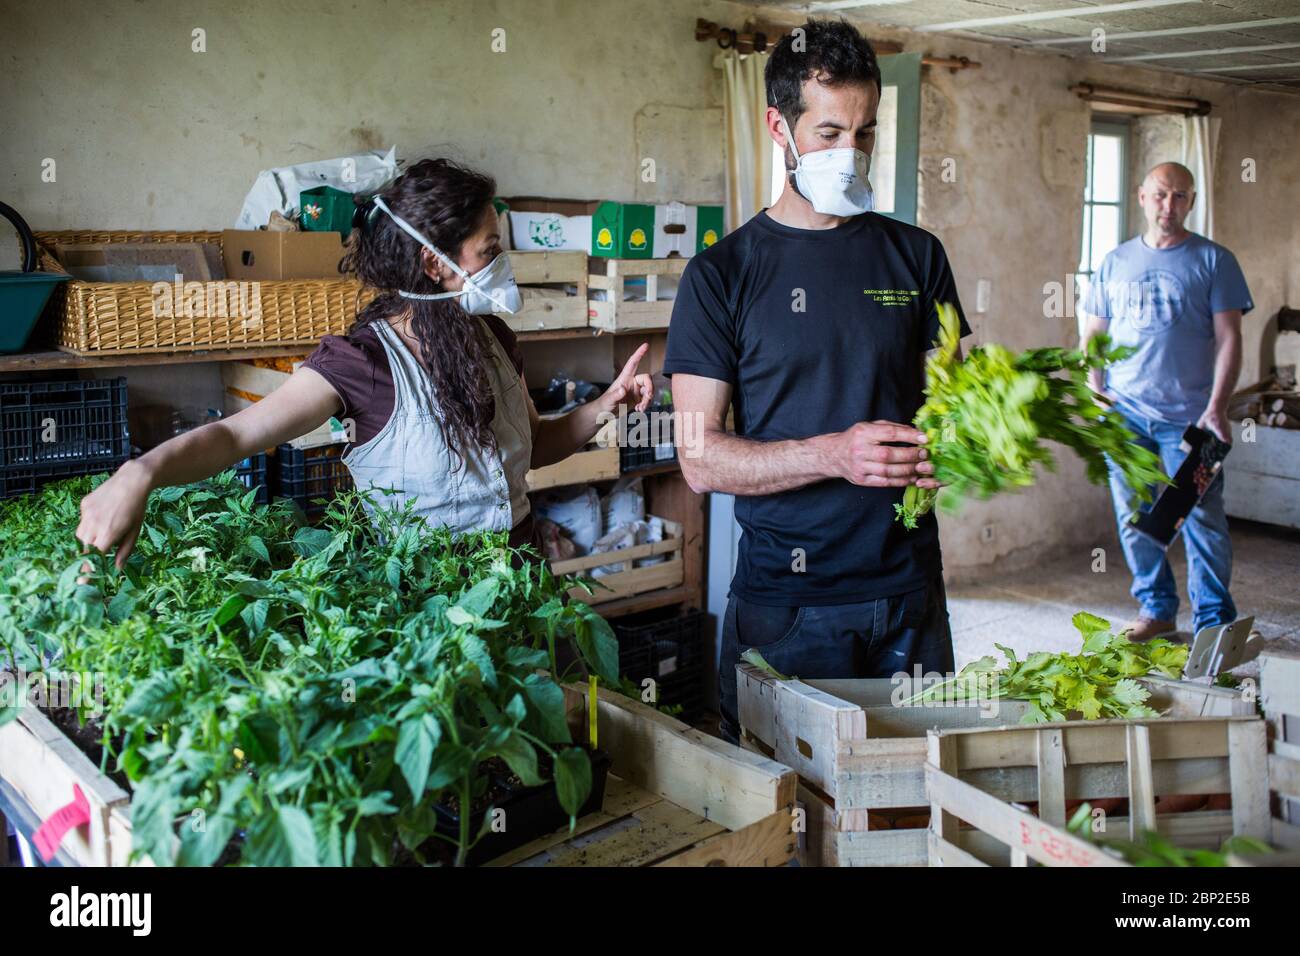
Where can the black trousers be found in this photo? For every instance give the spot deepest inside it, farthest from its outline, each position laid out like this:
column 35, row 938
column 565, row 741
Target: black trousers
column 878, row 638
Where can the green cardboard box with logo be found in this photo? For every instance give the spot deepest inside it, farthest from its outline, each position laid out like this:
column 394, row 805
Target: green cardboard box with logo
column 613, row 230
column 621, row 230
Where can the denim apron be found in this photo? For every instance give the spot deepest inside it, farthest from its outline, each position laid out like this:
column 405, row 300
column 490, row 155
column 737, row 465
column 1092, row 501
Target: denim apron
column 410, row 455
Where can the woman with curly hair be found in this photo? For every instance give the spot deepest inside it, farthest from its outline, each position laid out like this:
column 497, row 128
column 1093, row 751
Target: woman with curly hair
column 431, row 381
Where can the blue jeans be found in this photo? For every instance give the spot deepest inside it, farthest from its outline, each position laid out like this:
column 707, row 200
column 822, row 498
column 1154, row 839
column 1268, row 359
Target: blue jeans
column 1205, row 538
column 876, row 638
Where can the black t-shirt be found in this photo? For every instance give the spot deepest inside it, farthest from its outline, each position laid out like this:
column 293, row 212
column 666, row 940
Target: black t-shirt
column 817, row 329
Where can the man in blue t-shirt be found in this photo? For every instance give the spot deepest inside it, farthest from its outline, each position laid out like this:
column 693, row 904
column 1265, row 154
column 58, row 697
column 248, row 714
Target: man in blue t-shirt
column 1177, row 299
column 812, row 321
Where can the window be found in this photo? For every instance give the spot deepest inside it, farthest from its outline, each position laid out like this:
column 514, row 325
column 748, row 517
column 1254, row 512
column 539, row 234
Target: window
column 894, row 162
column 1105, row 199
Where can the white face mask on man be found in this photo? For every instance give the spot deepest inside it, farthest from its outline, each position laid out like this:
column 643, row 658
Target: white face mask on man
column 491, row 289
column 834, row 181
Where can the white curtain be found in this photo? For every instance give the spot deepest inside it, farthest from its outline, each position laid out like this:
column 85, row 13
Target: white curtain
column 1200, row 138
column 748, row 147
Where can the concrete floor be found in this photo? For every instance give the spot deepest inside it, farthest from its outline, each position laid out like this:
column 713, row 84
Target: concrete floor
column 1031, row 610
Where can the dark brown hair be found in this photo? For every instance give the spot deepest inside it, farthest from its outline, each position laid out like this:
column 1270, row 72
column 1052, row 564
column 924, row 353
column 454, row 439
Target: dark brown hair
column 833, row 51
column 446, row 203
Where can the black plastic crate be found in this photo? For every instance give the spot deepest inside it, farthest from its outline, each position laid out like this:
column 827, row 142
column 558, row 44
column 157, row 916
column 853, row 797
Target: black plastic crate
column 658, row 448
column 306, row 475
column 60, row 429
column 252, row 471
column 676, row 649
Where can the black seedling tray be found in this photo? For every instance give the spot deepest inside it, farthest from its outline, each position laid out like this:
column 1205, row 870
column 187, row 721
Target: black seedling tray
column 531, row 812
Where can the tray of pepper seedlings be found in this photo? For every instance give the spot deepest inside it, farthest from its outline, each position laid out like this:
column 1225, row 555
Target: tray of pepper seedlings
column 527, row 813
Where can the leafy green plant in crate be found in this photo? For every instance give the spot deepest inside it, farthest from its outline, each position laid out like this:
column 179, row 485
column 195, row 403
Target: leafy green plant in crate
column 1098, row 682
column 293, row 694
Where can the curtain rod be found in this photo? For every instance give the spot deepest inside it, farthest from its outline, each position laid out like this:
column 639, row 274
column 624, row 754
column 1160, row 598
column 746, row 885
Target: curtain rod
column 758, row 37
column 1143, row 102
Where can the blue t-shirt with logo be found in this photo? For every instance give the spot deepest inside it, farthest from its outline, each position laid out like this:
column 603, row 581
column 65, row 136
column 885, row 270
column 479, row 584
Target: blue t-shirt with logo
column 1161, row 302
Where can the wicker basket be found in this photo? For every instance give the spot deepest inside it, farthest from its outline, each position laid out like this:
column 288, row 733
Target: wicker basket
column 100, row 318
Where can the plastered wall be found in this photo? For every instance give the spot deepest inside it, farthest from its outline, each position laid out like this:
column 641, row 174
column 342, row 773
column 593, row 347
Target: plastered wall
column 148, row 134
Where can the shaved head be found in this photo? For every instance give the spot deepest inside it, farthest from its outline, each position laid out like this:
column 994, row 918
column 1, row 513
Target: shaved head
column 1172, row 175
column 1167, row 195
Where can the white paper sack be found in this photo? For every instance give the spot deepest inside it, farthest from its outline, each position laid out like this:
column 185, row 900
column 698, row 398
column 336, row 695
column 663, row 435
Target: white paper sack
column 616, row 540
column 624, row 504
column 278, row 189
column 653, row 533
column 577, row 513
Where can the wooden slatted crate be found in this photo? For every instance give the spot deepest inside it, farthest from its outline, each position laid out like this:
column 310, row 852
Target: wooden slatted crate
column 631, row 580
column 984, row 777
column 1279, row 676
column 675, row 797
column 859, row 755
column 541, row 277
column 42, row 766
column 609, row 277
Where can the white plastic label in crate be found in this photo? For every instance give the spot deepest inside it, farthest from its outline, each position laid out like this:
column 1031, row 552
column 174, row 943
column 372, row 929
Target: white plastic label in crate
column 664, row 452
column 667, row 665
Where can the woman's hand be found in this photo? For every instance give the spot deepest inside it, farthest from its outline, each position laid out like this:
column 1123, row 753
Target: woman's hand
column 112, row 514
column 629, row 383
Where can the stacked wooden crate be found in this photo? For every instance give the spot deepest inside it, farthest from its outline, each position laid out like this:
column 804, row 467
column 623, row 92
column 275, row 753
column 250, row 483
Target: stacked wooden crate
column 613, row 311
column 861, row 757
column 545, row 280
column 999, row 796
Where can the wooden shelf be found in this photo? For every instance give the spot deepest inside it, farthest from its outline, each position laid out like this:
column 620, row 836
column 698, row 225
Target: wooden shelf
column 666, row 468
column 583, row 333
column 53, row 360
column 647, row 601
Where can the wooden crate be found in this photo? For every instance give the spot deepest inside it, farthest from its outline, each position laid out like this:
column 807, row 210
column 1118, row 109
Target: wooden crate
column 597, row 462
column 857, row 753
column 675, row 797
column 541, row 277
column 1279, row 676
column 977, row 776
column 631, row 580
column 611, row 313
column 41, row 764
column 1262, row 477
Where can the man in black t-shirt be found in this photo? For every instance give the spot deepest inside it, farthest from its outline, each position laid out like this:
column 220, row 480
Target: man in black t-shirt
column 813, row 320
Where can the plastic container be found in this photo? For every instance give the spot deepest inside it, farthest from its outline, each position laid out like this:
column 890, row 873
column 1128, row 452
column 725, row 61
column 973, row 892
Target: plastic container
column 252, row 471
column 23, row 294
column 310, row 476
column 531, row 812
column 655, row 424
column 670, row 649
column 51, row 430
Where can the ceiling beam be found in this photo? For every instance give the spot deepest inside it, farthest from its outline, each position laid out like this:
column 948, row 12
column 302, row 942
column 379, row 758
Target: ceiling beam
column 1184, row 54
column 1175, row 31
column 1061, row 14
column 1295, row 65
column 830, row 6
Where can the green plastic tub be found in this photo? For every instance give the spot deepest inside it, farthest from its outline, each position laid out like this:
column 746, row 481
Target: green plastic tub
column 22, row 297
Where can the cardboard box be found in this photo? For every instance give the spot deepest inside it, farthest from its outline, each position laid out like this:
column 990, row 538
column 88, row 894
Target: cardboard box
column 614, row 230
column 547, row 225
column 253, row 255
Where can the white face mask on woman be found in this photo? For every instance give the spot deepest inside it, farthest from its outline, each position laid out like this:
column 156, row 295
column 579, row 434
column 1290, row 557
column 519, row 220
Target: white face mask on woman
column 491, row 289
column 833, row 180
